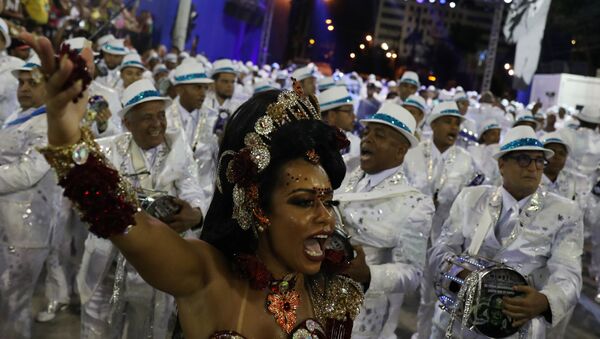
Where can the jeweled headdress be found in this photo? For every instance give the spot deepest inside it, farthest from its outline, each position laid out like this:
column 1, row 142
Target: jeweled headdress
column 243, row 166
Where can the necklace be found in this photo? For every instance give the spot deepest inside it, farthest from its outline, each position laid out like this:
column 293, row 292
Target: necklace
column 282, row 300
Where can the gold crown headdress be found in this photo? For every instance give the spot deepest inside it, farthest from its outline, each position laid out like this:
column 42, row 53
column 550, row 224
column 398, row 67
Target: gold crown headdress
column 245, row 164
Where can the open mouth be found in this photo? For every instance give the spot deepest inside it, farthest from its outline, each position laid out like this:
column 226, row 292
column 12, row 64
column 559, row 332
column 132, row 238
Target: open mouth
column 365, row 153
column 452, row 137
column 314, row 247
column 154, row 133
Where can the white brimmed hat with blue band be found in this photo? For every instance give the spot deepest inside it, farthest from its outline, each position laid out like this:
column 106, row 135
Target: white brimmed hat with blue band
column 417, row 101
column 116, row 47
column 263, row 85
column 304, row 73
column 410, row 77
column 31, row 64
column 526, row 116
column 4, row 32
column 191, row 72
column 132, row 60
column 556, row 138
column 487, row 125
column 104, row 39
column 325, row 83
column 224, row 66
column 589, row 114
column 522, row 138
column 334, row 97
column 397, row 117
column 444, row 109
column 139, row 92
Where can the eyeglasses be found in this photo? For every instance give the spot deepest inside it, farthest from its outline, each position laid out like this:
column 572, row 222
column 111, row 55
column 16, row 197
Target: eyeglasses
column 523, row 160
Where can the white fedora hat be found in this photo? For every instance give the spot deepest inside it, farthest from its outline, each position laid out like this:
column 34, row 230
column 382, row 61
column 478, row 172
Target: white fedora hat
column 589, row 114
column 556, row 138
column 334, row 97
column 104, row 39
column 417, row 101
column 191, row 72
column 132, row 60
column 443, row 109
column 526, row 116
column 410, row 77
column 5, row 33
column 224, row 66
column 115, row 46
column 487, row 125
column 325, row 83
column 139, row 92
column 522, row 138
column 263, row 85
column 397, row 117
column 304, row 73
column 28, row 66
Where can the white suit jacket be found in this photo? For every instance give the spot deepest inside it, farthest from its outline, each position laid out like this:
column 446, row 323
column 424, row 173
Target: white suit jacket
column 454, row 172
column 546, row 248
column 175, row 172
column 28, row 189
column 392, row 222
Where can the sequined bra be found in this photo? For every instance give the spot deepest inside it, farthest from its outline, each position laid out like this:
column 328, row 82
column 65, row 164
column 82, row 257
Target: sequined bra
column 307, row 329
column 335, row 306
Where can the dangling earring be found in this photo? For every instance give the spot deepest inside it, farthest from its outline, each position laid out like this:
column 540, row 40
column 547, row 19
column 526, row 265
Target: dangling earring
column 263, row 222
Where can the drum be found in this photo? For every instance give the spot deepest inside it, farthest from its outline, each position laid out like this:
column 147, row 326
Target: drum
column 477, row 300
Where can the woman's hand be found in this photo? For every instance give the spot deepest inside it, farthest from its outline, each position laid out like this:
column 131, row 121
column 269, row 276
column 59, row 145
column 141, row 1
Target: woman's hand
column 63, row 114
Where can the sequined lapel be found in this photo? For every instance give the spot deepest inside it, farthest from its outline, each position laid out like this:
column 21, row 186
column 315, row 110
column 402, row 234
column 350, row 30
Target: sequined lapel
column 529, row 212
column 353, row 180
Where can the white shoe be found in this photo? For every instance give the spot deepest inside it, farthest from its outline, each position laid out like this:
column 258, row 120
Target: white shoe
column 50, row 312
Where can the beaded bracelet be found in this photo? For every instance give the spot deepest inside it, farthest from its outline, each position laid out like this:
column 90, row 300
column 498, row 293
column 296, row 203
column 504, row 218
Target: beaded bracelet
column 104, row 199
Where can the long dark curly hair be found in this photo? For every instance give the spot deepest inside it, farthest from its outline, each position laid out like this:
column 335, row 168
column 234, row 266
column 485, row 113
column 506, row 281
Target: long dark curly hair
column 289, row 142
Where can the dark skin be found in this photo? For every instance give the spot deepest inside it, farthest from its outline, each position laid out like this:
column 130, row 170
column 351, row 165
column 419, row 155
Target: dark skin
column 463, row 106
column 381, row 147
column 309, row 85
column 30, row 93
column 405, row 90
column 208, row 293
column 191, row 96
column 224, row 86
column 341, row 117
column 129, row 75
column 550, row 121
column 147, row 124
column 557, row 162
column 445, row 131
column 113, row 60
column 520, row 183
column 416, row 113
column 490, row 137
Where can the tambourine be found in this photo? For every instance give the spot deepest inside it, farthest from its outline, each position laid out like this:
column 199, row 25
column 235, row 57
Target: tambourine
column 159, row 205
column 494, row 281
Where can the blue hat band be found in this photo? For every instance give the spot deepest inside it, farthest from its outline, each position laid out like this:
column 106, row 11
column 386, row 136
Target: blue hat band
column 415, row 103
column 224, row 70
column 390, row 119
column 143, row 95
column 31, row 65
column 521, row 143
column 343, row 100
column 114, row 48
column 450, row 111
column 551, row 140
column 191, row 76
column 527, row 118
column 263, row 88
column 132, row 63
column 491, row 126
column 410, row 81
